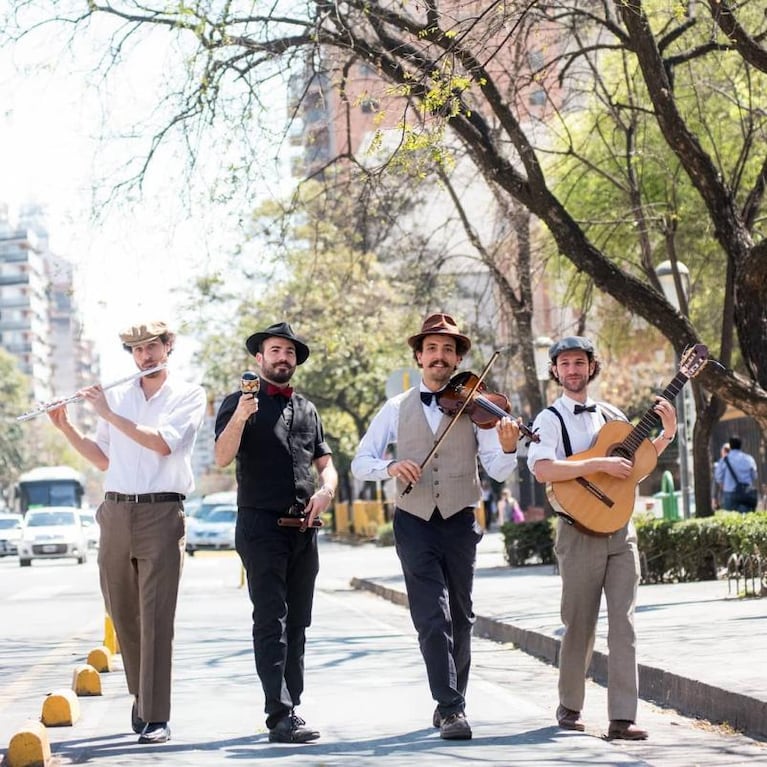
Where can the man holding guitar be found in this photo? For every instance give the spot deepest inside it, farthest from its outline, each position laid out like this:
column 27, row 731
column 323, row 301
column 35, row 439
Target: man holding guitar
column 590, row 559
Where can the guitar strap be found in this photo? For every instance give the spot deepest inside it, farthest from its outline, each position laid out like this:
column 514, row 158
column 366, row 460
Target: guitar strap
column 565, row 436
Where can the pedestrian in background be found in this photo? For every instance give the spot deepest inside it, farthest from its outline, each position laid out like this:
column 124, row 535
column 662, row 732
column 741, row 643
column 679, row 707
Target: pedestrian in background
column 144, row 439
column 590, row 564
column 509, row 509
column 737, row 467
column 277, row 439
column 718, row 488
column 435, row 528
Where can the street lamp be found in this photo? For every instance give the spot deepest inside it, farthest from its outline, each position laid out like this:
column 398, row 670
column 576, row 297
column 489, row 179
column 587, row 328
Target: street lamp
column 665, row 274
column 675, row 281
column 541, row 347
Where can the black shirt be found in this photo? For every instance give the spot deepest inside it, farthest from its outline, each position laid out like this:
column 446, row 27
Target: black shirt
column 278, row 447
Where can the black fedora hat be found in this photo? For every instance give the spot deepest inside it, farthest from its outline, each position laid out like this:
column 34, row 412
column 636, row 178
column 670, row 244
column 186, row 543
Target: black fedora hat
column 280, row 330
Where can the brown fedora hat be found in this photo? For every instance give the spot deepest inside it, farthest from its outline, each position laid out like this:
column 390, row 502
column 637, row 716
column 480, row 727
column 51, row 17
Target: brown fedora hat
column 441, row 324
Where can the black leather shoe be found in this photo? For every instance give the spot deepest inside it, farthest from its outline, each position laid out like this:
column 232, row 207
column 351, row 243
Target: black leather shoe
column 623, row 729
column 155, row 732
column 455, row 727
column 292, row 729
column 136, row 722
column 436, row 720
column 569, row 719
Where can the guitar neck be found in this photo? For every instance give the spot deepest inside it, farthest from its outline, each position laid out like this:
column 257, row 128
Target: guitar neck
column 650, row 419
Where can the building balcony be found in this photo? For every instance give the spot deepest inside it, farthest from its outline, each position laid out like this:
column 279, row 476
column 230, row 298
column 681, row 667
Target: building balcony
column 22, row 324
column 14, row 279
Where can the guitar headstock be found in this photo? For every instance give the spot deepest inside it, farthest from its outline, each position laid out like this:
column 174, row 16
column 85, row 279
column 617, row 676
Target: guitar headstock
column 694, row 359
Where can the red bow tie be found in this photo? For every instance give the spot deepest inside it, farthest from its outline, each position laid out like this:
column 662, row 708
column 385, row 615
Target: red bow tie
column 279, row 391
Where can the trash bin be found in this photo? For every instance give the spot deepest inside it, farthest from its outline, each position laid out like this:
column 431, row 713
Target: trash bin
column 668, row 498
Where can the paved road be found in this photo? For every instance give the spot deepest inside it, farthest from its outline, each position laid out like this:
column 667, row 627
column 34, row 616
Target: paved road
column 366, row 688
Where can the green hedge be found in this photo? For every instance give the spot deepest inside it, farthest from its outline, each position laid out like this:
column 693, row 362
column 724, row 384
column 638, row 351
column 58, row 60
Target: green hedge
column 687, row 550
column 529, row 542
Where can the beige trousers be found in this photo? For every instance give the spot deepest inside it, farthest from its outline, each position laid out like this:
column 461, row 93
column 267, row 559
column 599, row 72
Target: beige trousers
column 141, row 555
column 590, row 565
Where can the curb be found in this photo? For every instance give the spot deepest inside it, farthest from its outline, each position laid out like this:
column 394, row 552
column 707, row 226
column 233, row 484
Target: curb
column 688, row 696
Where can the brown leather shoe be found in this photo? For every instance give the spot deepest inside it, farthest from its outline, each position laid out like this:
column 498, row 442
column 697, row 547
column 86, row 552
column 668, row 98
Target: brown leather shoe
column 569, row 719
column 622, row 729
column 455, row 727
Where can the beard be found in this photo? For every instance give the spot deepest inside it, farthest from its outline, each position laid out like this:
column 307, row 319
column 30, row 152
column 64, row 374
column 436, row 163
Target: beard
column 278, row 374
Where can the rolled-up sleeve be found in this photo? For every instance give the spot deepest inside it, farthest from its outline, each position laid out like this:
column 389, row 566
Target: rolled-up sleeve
column 369, row 462
column 180, row 425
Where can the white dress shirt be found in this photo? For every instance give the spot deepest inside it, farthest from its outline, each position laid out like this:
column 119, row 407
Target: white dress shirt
column 177, row 410
column 370, row 461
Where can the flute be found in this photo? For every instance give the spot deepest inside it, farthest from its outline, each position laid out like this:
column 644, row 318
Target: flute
column 53, row 404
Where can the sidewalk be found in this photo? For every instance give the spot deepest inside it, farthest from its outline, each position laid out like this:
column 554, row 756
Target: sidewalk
column 701, row 650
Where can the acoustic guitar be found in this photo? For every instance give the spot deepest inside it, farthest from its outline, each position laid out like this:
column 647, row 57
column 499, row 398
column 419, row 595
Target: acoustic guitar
column 599, row 502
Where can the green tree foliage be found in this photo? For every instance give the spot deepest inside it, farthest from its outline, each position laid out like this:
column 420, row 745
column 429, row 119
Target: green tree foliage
column 13, row 402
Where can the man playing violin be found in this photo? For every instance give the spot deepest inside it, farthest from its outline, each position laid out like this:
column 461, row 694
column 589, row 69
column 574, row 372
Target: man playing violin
column 435, row 530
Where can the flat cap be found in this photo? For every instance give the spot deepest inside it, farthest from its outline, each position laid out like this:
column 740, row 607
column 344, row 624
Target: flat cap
column 144, row 332
column 571, row 343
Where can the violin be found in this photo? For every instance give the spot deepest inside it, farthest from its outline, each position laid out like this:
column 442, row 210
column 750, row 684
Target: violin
column 462, row 395
column 485, row 408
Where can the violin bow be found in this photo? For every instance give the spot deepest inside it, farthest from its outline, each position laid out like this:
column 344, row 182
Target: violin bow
column 453, row 420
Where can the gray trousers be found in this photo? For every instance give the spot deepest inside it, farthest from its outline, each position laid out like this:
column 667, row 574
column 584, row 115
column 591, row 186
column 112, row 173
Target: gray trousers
column 141, row 555
column 589, row 565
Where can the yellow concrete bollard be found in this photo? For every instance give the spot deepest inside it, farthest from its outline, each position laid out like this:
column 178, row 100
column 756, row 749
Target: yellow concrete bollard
column 110, row 636
column 101, row 659
column 29, row 747
column 61, row 708
column 86, row 680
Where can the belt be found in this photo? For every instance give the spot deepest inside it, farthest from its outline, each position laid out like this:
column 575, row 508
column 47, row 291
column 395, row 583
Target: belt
column 144, row 497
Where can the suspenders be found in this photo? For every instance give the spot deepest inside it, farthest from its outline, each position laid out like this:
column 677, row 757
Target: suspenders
column 602, row 407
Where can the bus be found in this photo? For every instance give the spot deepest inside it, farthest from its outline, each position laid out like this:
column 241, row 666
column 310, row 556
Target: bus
column 50, row 486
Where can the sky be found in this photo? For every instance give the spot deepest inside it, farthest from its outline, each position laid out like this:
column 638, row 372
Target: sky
column 144, row 251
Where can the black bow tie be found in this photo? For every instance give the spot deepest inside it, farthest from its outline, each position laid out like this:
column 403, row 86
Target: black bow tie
column 585, row 409
column 428, row 396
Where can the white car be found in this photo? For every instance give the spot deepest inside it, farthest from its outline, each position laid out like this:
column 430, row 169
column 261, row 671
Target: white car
column 52, row 532
column 10, row 532
column 215, row 531
column 92, row 529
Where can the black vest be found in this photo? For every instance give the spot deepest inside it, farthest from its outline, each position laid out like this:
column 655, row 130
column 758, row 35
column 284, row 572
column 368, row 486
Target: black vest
column 277, row 449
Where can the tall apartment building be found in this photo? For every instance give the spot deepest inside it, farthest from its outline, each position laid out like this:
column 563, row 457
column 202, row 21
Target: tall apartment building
column 39, row 322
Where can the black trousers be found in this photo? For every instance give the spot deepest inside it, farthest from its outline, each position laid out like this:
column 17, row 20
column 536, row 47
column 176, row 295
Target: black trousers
column 281, row 564
column 438, row 559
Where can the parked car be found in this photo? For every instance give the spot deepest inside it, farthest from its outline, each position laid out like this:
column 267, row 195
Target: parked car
column 206, row 505
column 92, row 529
column 10, row 532
column 215, row 531
column 52, row 532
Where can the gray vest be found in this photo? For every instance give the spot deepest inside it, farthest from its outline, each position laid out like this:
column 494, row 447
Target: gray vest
column 450, row 481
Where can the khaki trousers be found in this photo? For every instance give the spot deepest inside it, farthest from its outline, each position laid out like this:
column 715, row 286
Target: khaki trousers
column 590, row 565
column 141, row 555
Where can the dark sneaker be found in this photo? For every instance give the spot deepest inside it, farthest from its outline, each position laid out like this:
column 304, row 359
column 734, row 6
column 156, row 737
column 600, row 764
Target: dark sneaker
column 155, row 732
column 292, row 729
column 136, row 722
column 436, row 719
column 569, row 719
column 455, row 727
